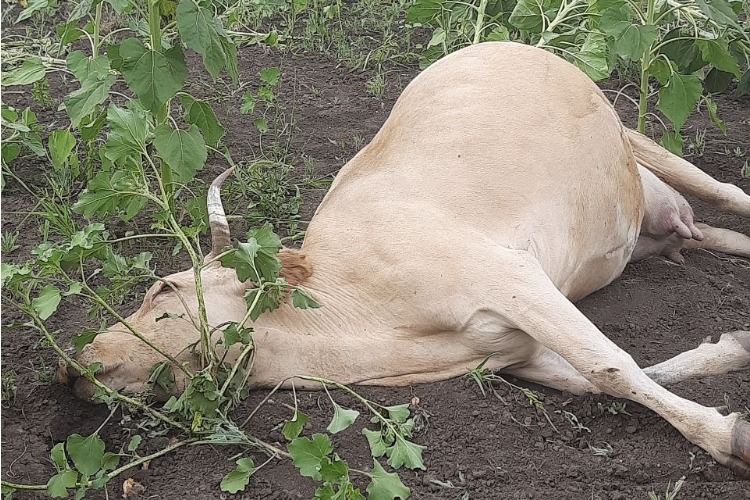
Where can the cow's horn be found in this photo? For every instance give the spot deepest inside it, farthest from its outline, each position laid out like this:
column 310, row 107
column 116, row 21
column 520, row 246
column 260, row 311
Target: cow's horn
column 217, row 219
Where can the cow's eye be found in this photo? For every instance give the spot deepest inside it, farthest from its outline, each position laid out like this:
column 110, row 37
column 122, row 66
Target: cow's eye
column 162, row 288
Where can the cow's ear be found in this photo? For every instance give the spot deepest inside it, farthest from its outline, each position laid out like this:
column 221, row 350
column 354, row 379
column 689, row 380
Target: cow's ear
column 295, row 268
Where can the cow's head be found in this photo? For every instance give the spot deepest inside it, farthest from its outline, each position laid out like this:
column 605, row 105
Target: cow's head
column 168, row 317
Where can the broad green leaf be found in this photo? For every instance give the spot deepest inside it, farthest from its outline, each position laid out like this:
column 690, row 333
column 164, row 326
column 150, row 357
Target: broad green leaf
column 183, row 150
column 334, row 470
column 58, row 485
column 82, row 339
column 302, row 300
column 61, row 144
column 199, row 113
column 616, row 19
column 375, row 440
column 238, row 479
column 719, row 11
column 266, row 261
column 127, row 136
column 293, row 428
column 713, row 114
column 527, row 15
column 109, row 194
column 716, row 53
column 57, row 454
column 592, row 58
column 270, row 76
column 672, row 141
column 82, row 102
column 84, row 67
column 307, row 454
column 342, row 419
column 398, row 413
column 202, row 32
column 634, row 41
column 678, row 98
column 242, row 260
column 718, row 81
column 682, row 51
column 120, row 6
column 743, row 87
column 202, row 394
column 265, row 303
column 261, row 124
column 233, row 335
column 110, row 461
column 498, row 34
column 424, row 11
column 660, row 70
column 154, row 76
column 82, row 8
column 134, row 443
column 10, row 152
column 32, row 70
column 68, row 33
column 386, row 485
column 32, row 7
column 404, row 453
column 86, row 453
column 45, row 304
column 248, row 103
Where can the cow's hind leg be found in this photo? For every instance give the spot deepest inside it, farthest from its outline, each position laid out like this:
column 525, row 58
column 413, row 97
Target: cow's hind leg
column 519, row 293
column 730, row 354
column 721, row 240
column 686, row 177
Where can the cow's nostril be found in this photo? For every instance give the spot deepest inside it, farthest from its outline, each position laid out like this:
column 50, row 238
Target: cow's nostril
column 66, row 374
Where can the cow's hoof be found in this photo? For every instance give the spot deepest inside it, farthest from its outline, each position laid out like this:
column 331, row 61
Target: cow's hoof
column 740, row 460
column 743, row 337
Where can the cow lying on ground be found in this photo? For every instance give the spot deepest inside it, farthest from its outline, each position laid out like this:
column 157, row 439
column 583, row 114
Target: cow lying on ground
column 501, row 188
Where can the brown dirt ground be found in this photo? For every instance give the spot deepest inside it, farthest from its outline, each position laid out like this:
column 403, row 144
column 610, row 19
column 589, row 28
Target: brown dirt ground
column 477, row 447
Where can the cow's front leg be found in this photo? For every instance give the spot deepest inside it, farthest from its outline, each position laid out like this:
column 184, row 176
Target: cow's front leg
column 513, row 285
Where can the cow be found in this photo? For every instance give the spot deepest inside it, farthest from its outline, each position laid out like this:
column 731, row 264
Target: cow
column 502, row 188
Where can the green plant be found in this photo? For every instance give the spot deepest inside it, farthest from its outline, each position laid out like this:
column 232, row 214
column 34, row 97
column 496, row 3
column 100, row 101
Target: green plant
column 9, row 242
column 457, row 24
column 614, row 408
column 671, row 492
column 605, row 450
column 685, row 46
column 486, row 379
column 9, row 388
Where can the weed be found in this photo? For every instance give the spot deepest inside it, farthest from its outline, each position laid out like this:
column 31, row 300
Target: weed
column 484, row 379
column 614, row 408
column 671, row 492
column 605, row 450
column 745, row 172
column 698, row 145
column 376, row 86
column 9, row 388
column 9, row 242
column 575, row 424
column 273, row 198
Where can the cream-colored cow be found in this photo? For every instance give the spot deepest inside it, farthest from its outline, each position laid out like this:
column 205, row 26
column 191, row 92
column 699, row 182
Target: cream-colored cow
column 502, row 187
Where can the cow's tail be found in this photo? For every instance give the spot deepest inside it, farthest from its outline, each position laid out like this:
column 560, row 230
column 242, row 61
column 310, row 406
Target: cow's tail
column 686, row 177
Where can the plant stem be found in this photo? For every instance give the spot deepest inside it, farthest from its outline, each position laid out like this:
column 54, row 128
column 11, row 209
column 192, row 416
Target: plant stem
column 480, row 22
column 97, row 23
column 110, row 475
column 645, row 63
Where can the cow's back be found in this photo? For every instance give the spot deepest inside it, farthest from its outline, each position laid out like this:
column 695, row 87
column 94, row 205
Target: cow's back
column 508, row 140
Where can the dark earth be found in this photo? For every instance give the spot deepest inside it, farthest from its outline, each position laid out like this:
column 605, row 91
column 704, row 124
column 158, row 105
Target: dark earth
column 478, row 447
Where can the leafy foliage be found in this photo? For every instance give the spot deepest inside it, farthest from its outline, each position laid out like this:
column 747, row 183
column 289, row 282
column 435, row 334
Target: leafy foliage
column 688, row 46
